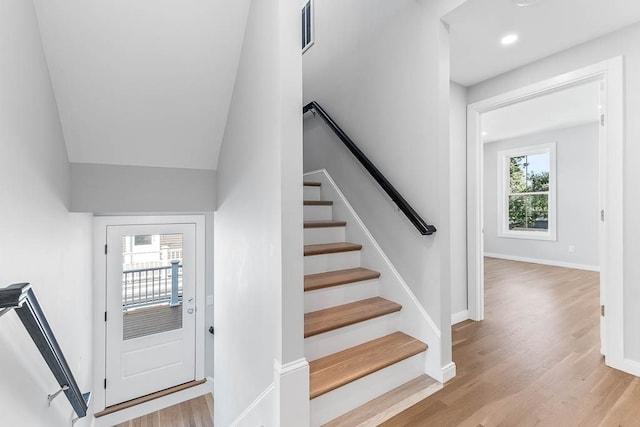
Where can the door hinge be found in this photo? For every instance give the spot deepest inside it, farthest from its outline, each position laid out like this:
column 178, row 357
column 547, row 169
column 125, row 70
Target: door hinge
column 105, row 383
column 105, row 249
column 602, row 310
column 602, row 215
column 601, row 119
column 105, row 316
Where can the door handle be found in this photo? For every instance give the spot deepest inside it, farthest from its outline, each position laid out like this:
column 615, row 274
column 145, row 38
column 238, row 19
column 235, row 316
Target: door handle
column 190, row 310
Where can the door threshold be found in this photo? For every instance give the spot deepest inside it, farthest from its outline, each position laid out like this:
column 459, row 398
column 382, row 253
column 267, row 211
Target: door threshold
column 129, row 403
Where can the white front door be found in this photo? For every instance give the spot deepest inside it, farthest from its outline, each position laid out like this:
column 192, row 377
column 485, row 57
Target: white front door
column 150, row 299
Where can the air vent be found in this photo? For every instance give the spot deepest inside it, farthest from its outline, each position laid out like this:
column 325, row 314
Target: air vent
column 307, row 25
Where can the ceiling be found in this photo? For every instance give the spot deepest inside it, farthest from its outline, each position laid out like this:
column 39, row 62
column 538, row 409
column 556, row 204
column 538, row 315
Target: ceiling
column 143, row 82
column 569, row 107
column 544, row 28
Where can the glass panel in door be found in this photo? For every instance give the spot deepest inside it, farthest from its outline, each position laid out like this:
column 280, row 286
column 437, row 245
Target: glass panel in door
column 152, row 267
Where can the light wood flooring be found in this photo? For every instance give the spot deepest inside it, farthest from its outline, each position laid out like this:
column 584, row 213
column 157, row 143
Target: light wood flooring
column 534, row 361
column 196, row 412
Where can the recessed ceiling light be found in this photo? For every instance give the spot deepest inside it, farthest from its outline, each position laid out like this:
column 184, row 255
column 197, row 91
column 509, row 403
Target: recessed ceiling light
column 509, row 39
column 524, row 3
column 484, row 133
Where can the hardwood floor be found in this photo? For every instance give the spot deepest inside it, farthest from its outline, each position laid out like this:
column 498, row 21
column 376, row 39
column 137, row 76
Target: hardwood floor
column 387, row 405
column 192, row 413
column 535, row 360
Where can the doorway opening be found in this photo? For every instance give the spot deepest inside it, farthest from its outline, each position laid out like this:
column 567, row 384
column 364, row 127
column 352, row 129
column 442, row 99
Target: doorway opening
column 608, row 76
column 150, row 285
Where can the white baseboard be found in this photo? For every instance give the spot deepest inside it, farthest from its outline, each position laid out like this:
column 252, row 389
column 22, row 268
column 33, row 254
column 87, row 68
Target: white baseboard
column 630, row 366
column 448, row 372
column 245, row 418
column 460, row 316
column 544, row 261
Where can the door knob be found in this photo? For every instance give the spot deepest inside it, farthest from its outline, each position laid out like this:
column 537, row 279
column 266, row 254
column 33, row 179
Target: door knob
column 190, row 310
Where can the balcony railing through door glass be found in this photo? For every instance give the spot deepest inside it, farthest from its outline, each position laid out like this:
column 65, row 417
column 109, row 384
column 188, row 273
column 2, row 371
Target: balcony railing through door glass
column 151, row 284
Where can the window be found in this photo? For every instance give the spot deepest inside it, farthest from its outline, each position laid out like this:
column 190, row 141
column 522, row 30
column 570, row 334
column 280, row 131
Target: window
column 142, row 240
column 527, row 205
column 307, row 25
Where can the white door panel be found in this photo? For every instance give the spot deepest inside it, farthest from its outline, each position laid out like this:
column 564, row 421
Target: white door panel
column 150, row 333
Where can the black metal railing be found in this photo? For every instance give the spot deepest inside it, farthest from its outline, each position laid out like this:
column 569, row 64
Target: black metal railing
column 20, row 297
column 403, row 205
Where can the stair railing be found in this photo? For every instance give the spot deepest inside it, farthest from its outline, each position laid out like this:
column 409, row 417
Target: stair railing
column 21, row 298
column 403, row 205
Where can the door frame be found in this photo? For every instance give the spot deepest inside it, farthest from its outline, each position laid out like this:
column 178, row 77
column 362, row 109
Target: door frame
column 100, row 225
column 610, row 73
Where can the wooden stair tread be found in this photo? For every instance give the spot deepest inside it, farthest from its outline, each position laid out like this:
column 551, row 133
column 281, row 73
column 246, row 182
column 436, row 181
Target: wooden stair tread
column 338, row 277
column 324, row 223
column 338, row 369
column 330, row 248
column 317, row 202
column 311, row 184
column 318, row 322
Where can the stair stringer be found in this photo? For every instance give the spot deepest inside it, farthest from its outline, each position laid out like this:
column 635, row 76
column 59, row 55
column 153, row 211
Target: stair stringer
column 413, row 318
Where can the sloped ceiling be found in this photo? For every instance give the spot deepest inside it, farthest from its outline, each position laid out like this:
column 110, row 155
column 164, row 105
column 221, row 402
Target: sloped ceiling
column 545, row 28
column 143, row 82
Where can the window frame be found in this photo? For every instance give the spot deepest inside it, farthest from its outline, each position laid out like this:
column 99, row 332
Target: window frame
column 504, row 160
column 311, row 24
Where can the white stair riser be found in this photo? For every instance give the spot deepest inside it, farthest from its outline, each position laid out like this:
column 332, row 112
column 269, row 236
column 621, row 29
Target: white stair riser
column 337, row 402
column 311, row 193
column 315, row 236
column 317, row 213
column 328, row 262
column 343, row 294
column 337, row 340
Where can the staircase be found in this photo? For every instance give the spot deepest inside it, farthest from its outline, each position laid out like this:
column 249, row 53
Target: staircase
column 352, row 335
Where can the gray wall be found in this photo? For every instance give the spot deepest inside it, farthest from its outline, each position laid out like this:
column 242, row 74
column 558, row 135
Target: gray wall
column 457, row 167
column 42, row 242
column 384, row 77
column 111, row 189
column 624, row 42
column 577, row 198
column 258, row 224
column 114, row 190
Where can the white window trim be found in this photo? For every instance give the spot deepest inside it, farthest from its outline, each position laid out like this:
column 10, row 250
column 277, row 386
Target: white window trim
column 311, row 20
column 503, row 192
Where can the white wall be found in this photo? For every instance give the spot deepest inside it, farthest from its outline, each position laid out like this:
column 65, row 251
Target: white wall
column 110, row 189
column 458, row 171
column 624, row 42
column 577, row 198
column 258, row 229
column 41, row 242
column 383, row 76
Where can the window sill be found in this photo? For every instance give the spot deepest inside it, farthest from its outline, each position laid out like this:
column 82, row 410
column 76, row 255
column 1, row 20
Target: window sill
column 528, row 235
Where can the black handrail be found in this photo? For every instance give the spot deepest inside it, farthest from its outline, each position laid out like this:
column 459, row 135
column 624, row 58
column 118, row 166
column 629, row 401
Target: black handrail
column 416, row 220
column 21, row 298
